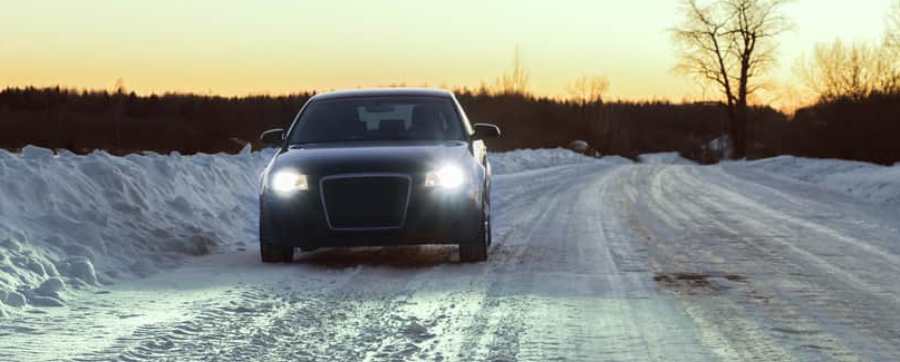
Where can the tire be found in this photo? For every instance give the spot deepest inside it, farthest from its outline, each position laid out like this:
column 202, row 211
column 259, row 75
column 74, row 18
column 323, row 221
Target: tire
column 478, row 250
column 275, row 254
column 270, row 251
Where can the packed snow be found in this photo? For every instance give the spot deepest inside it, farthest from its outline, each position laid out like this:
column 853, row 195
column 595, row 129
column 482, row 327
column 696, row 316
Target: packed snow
column 876, row 183
column 665, row 158
column 153, row 257
column 532, row 159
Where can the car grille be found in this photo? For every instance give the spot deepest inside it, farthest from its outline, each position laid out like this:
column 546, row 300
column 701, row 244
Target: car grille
column 376, row 201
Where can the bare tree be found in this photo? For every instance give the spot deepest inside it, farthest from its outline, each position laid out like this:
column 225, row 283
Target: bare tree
column 892, row 46
column 119, row 87
column 730, row 44
column 516, row 81
column 855, row 71
column 892, row 38
column 588, row 89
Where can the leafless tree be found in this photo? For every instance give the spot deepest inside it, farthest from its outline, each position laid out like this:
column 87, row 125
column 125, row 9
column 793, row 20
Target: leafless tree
column 892, row 45
column 516, row 81
column 588, row 89
column 855, row 70
column 119, row 87
column 892, row 38
column 730, row 44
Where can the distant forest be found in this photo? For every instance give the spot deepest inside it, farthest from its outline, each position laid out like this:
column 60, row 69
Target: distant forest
column 858, row 128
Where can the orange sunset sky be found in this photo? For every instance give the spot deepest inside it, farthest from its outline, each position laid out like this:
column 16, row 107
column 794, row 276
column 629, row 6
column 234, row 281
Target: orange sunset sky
column 276, row 47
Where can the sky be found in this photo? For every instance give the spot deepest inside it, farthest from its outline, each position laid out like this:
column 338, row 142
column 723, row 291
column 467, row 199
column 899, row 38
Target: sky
column 276, row 46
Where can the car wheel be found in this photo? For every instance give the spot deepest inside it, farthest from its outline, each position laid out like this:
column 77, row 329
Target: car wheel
column 275, row 254
column 489, row 236
column 478, row 251
column 269, row 249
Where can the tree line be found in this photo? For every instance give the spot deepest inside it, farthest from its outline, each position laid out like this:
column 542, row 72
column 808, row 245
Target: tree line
column 120, row 122
column 82, row 121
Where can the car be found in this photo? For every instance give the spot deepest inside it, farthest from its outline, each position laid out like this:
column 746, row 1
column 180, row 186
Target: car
column 377, row 167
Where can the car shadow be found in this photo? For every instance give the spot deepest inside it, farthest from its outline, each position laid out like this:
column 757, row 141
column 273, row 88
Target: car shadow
column 408, row 257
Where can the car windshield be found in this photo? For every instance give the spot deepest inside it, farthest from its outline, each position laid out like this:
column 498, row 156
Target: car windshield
column 378, row 119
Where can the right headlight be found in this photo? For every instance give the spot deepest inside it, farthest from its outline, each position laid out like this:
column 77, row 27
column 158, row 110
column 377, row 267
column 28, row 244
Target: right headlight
column 448, row 177
column 289, row 181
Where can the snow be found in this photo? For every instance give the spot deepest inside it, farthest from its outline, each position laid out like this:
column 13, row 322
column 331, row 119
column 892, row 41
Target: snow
column 665, row 158
column 593, row 259
column 531, row 159
column 72, row 221
column 84, row 221
column 875, row 183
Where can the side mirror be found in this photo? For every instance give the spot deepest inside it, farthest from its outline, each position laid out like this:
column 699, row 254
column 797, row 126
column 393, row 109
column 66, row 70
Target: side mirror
column 272, row 137
column 486, row 130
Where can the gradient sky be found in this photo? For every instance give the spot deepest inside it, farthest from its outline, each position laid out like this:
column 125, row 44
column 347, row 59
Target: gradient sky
column 268, row 46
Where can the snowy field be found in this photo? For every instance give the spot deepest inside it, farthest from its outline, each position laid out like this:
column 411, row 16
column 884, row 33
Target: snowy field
column 154, row 257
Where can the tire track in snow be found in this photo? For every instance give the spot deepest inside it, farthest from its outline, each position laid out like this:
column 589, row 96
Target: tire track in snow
column 383, row 322
column 495, row 331
column 243, row 323
column 727, row 250
column 800, row 296
column 571, row 277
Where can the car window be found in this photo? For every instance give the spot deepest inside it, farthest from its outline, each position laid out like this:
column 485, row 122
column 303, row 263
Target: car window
column 378, row 119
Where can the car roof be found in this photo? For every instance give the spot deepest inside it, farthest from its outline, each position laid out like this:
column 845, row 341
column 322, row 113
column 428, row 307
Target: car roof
column 385, row 92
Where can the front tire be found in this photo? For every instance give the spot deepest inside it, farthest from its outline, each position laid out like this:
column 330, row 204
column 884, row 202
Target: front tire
column 478, row 250
column 275, row 254
column 270, row 251
column 472, row 253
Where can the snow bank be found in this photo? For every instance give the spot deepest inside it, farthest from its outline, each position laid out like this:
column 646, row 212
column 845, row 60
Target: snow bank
column 69, row 221
column 530, row 159
column 666, row 158
column 879, row 184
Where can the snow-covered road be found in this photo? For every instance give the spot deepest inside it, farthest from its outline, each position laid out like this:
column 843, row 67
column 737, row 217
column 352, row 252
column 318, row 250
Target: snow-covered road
column 593, row 262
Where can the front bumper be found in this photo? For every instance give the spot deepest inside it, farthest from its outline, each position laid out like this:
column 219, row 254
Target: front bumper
column 433, row 216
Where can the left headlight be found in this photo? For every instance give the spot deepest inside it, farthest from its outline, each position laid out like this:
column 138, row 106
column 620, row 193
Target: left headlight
column 449, row 177
column 289, row 181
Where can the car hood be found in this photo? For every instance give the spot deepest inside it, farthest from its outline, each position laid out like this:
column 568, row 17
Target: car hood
column 371, row 157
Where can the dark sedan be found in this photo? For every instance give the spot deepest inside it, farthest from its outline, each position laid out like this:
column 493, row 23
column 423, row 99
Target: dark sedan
column 377, row 167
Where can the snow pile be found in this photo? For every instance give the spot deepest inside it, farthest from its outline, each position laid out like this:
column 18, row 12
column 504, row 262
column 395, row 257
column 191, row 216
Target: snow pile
column 530, row 159
column 666, row 158
column 868, row 181
column 69, row 221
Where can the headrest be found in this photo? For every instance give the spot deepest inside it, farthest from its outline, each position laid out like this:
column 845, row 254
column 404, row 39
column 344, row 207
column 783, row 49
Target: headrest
column 394, row 126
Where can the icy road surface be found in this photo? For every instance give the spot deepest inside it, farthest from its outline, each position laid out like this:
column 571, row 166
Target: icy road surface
column 591, row 262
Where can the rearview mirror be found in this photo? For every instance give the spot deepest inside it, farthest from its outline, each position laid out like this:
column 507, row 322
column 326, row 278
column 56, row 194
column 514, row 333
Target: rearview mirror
column 486, row 130
column 272, row 137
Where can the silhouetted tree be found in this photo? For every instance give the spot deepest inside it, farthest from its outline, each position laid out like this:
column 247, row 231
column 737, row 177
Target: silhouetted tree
column 588, row 89
column 730, row 43
column 892, row 45
column 516, row 81
column 892, row 38
column 854, row 71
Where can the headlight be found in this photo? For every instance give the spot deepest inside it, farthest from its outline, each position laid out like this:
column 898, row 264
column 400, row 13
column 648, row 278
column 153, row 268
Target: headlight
column 289, row 181
column 449, row 177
